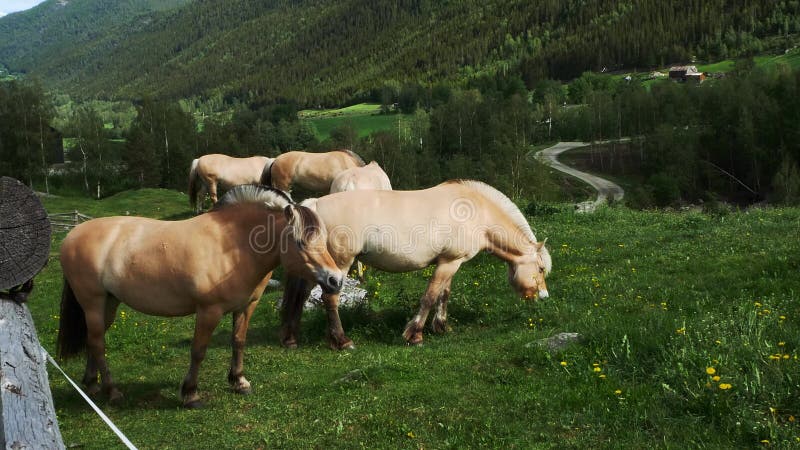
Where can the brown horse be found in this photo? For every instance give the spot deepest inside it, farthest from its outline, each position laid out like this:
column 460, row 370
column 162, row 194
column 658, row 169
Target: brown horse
column 208, row 266
column 311, row 171
column 214, row 174
column 401, row 231
column 370, row 176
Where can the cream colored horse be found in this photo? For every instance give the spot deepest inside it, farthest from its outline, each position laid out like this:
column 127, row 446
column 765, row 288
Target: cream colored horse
column 370, row 176
column 209, row 265
column 401, row 231
column 214, row 174
column 312, row 171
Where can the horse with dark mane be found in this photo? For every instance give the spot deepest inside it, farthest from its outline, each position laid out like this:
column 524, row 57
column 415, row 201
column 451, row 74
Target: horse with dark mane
column 208, row 265
column 311, row 171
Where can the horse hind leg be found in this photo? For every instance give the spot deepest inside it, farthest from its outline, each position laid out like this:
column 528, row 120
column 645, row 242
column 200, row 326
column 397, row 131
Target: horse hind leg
column 96, row 360
column 90, row 374
column 439, row 322
column 439, row 283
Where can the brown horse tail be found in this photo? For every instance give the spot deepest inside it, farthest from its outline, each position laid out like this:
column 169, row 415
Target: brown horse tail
column 193, row 188
column 266, row 175
column 71, row 325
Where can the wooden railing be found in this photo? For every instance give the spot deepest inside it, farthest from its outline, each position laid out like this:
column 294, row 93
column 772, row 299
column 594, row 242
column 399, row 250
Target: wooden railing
column 67, row 221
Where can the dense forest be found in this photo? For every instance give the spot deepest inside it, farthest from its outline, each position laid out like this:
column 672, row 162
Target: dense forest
column 480, row 84
column 324, row 52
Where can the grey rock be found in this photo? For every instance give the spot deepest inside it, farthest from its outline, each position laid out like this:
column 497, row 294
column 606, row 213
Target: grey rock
column 557, row 342
column 351, row 295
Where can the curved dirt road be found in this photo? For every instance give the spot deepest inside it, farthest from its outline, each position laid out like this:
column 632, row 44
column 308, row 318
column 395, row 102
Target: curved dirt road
column 605, row 189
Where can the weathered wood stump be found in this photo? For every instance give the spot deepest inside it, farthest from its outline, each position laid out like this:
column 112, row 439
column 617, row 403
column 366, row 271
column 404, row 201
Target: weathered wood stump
column 24, row 234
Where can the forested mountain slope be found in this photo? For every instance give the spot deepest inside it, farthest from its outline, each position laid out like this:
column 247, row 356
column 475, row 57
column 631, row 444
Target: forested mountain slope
column 330, row 52
column 57, row 37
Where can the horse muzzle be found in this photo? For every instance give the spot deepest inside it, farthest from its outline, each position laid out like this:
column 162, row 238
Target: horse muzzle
column 330, row 283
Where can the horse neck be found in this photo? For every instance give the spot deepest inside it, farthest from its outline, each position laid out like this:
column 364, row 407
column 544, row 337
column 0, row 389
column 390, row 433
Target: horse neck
column 507, row 241
column 258, row 230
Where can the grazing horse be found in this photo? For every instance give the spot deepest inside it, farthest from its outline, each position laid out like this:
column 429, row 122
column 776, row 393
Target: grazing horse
column 370, row 176
column 214, row 174
column 401, row 231
column 311, row 171
column 209, row 265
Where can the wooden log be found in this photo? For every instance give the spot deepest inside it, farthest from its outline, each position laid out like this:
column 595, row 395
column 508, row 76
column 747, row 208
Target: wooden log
column 27, row 414
column 24, row 234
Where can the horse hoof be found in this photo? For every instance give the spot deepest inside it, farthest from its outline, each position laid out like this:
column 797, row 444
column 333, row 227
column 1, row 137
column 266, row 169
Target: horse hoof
column 195, row 404
column 291, row 345
column 115, row 396
column 244, row 391
column 93, row 389
column 414, row 344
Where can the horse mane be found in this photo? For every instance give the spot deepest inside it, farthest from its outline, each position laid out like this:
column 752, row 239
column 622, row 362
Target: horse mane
column 354, row 155
column 274, row 199
column 503, row 202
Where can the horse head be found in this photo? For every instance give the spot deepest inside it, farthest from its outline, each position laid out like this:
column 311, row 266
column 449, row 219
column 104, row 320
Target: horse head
column 527, row 272
column 306, row 249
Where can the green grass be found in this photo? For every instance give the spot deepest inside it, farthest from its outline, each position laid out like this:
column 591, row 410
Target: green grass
column 365, row 118
column 658, row 297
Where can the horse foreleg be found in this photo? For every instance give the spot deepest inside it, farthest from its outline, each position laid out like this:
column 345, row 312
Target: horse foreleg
column 212, row 191
column 295, row 294
column 440, row 281
column 439, row 323
column 336, row 337
column 207, row 320
column 241, row 321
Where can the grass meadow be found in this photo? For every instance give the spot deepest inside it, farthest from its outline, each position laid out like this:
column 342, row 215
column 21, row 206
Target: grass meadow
column 365, row 118
column 689, row 326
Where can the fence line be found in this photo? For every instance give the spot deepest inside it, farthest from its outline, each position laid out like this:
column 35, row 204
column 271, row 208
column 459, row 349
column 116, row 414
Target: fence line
column 67, row 221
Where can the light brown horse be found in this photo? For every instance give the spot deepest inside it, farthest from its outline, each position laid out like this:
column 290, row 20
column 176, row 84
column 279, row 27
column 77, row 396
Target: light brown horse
column 311, row 171
column 401, row 231
column 370, row 176
column 208, row 266
column 215, row 174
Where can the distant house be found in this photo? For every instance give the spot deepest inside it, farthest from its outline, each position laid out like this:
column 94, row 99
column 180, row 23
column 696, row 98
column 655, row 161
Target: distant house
column 686, row 73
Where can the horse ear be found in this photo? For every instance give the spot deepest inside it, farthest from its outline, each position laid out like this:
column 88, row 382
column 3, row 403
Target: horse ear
column 540, row 245
column 288, row 211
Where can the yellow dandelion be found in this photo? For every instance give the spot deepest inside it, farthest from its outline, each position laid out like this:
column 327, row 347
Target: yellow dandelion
column 563, row 364
column 711, row 370
column 681, row 331
column 758, row 304
column 765, row 441
column 785, row 356
column 791, row 419
column 411, row 434
column 602, row 376
column 781, row 344
column 725, row 386
column 597, row 369
column 618, row 392
column 715, row 378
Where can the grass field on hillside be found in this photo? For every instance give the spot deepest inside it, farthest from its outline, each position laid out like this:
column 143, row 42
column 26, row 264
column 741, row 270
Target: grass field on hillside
column 365, row 118
column 690, row 330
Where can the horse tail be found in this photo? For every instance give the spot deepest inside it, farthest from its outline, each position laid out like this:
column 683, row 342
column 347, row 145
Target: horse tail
column 193, row 187
column 71, row 324
column 266, row 175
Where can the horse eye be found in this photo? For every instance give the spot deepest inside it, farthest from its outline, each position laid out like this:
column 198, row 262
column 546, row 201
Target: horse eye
column 541, row 269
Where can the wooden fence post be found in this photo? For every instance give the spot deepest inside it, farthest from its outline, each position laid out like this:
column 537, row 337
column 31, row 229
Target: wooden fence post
column 28, row 417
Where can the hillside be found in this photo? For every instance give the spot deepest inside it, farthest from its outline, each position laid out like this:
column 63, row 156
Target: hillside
column 66, row 34
column 332, row 52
